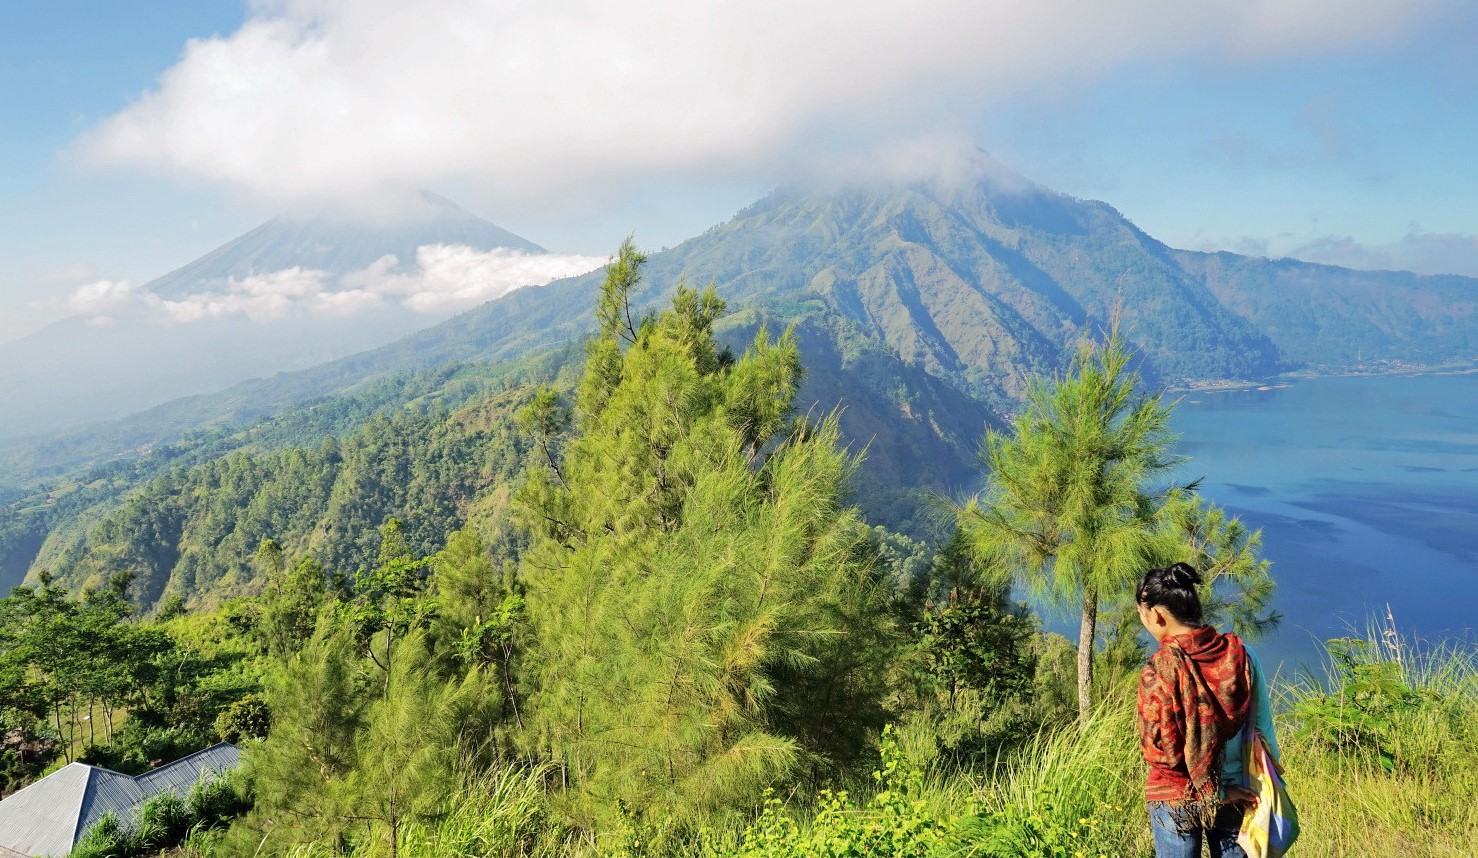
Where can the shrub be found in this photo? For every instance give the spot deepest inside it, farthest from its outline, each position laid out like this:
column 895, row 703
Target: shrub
column 247, row 718
column 163, row 821
column 896, row 822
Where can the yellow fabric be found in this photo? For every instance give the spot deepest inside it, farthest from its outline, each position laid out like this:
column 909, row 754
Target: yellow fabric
column 1271, row 826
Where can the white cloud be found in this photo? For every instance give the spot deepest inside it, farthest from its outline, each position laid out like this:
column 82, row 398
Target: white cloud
column 447, row 278
column 101, row 297
column 259, row 297
column 1422, row 252
column 455, row 277
column 326, row 99
column 345, row 302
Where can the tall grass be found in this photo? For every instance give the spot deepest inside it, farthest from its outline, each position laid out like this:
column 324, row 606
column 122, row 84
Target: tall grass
column 1069, row 791
column 163, row 821
column 1381, row 759
column 1382, row 756
column 502, row 814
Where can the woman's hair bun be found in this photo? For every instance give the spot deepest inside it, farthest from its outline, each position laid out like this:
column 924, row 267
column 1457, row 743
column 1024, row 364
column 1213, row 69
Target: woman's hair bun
column 1174, row 588
column 1185, row 575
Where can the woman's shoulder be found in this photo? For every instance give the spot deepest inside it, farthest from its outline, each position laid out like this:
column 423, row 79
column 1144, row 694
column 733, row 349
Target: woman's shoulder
column 1161, row 665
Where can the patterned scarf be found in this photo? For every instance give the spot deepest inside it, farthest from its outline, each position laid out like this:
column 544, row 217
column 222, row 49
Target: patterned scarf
column 1193, row 695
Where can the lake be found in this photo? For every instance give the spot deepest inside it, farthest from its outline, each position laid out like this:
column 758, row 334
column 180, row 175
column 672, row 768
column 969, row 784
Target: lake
column 1366, row 492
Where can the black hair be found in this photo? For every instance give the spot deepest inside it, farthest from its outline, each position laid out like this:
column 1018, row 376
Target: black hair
column 1174, row 589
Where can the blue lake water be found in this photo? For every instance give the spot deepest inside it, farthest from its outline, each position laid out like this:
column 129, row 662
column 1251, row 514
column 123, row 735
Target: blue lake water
column 1366, row 492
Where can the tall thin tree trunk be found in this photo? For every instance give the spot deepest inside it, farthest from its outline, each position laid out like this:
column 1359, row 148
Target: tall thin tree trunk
column 56, row 709
column 507, row 672
column 1086, row 633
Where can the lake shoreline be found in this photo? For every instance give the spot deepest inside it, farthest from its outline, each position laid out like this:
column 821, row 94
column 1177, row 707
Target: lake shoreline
column 1287, row 379
column 1364, row 495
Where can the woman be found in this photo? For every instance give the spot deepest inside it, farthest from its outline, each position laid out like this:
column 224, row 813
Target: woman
column 1194, row 699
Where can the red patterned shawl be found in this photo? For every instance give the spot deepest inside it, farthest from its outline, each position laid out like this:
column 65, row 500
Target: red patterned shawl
column 1193, row 695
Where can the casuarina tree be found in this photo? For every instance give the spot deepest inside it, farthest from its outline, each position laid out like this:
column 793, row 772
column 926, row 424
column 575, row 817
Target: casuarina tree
column 705, row 613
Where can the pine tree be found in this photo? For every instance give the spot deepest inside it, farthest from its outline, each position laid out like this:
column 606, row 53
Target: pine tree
column 1071, row 497
column 1078, row 502
column 704, row 607
column 406, row 754
column 479, row 623
column 318, row 703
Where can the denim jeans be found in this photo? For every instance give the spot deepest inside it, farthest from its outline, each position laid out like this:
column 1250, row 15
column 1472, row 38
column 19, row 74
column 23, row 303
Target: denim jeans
column 1221, row 838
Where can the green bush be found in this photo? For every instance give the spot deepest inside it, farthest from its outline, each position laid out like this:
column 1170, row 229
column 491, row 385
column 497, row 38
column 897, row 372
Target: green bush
column 136, row 748
column 163, row 821
column 896, row 822
column 247, row 718
column 1366, row 706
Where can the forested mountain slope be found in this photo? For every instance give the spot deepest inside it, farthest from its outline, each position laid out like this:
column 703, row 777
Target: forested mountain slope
column 193, row 531
column 1322, row 317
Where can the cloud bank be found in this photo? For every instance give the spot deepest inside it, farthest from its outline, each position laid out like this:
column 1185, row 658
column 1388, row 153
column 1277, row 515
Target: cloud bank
column 319, row 100
column 447, row 279
column 1422, row 252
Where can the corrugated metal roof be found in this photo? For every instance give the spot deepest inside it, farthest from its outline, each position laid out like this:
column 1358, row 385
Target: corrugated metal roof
column 181, row 775
column 49, row 816
column 42, row 818
column 107, row 792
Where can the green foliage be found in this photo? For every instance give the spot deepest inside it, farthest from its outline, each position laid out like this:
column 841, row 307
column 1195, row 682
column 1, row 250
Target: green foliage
column 895, row 822
column 369, row 722
column 1237, row 586
column 76, row 665
column 705, row 612
column 318, row 703
column 973, row 639
column 287, row 610
column 1382, row 758
column 162, row 821
column 481, row 620
column 1071, row 503
column 137, row 747
column 501, row 813
column 195, row 531
column 1369, row 702
column 1068, row 792
column 405, row 756
column 1075, row 508
column 248, row 718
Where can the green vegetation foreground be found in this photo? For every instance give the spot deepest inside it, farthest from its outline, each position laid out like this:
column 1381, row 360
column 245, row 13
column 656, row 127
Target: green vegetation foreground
column 678, row 638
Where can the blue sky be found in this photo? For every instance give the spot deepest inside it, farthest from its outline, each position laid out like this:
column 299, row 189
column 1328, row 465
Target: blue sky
column 1338, row 132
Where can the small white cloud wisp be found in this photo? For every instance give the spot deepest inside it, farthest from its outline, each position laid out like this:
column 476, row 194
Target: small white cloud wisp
column 447, row 278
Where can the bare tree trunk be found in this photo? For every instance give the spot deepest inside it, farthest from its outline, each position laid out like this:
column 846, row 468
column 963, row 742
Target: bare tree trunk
column 56, row 709
column 507, row 672
column 1086, row 634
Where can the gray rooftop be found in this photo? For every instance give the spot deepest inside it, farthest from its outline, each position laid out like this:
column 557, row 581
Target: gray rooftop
column 48, row 817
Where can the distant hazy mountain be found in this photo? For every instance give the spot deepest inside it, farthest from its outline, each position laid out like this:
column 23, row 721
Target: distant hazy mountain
column 339, row 247
column 289, row 294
